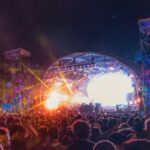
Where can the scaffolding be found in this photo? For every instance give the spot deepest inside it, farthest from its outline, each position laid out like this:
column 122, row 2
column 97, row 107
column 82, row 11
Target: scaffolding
column 144, row 28
column 16, row 97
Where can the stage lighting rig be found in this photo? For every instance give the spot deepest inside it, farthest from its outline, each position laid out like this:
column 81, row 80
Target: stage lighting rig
column 76, row 66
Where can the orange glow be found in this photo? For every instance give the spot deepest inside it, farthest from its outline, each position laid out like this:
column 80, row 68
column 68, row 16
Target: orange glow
column 60, row 94
column 54, row 100
column 51, row 104
column 138, row 100
column 66, row 83
column 135, row 102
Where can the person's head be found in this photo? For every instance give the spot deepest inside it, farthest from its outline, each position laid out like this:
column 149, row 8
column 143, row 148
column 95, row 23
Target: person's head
column 131, row 121
column 64, row 124
column 105, row 122
column 147, row 124
column 53, row 133
column 43, row 133
column 10, row 121
column 1, row 147
column 123, row 126
column 137, row 121
column 5, row 138
column 136, row 144
column 118, row 138
column 95, row 134
column 105, row 145
column 112, row 124
column 68, row 138
column 97, row 124
column 128, row 132
column 18, row 136
column 81, row 129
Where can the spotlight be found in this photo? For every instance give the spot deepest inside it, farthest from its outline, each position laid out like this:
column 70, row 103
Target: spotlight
column 130, row 102
column 111, row 68
column 54, row 100
column 131, row 76
column 138, row 100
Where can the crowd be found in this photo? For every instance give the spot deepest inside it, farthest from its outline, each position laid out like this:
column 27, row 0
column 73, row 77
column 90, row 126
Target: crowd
column 74, row 131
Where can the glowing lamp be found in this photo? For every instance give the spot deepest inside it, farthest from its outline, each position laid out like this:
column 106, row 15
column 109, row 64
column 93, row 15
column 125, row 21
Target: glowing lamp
column 52, row 104
column 54, row 100
column 138, row 100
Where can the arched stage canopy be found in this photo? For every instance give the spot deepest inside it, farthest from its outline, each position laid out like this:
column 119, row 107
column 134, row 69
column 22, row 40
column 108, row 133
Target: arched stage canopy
column 75, row 65
column 89, row 77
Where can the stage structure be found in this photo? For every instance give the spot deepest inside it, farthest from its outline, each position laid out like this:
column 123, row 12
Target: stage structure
column 16, row 98
column 73, row 71
column 144, row 28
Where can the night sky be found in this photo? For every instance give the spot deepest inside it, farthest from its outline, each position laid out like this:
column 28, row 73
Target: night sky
column 50, row 29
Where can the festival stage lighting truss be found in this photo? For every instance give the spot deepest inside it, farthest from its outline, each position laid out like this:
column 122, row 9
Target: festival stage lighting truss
column 144, row 28
column 15, row 60
column 16, row 54
column 77, row 65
